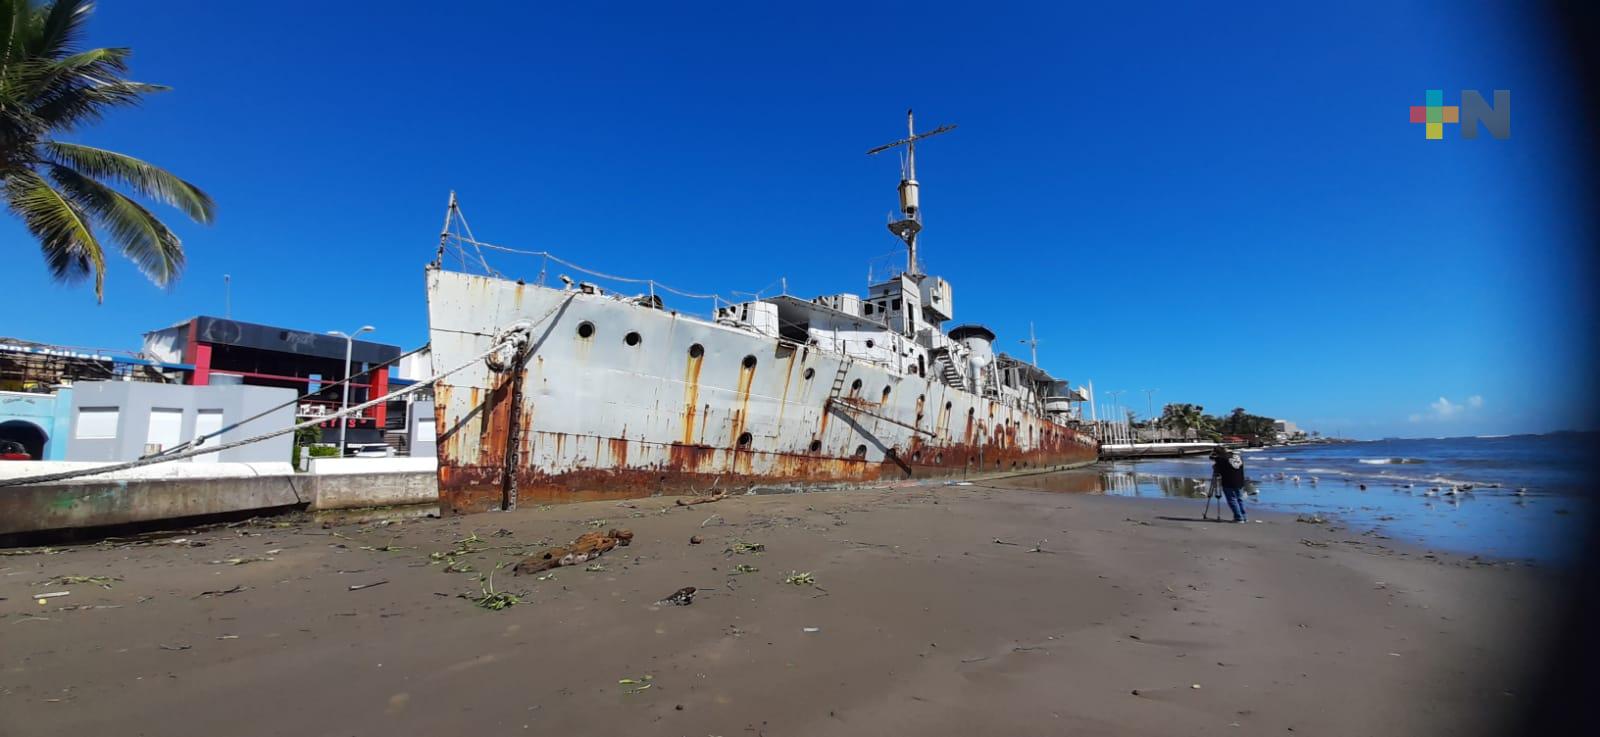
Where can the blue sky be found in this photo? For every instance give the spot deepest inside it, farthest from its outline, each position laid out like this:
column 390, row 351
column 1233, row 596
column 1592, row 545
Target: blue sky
column 1225, row 202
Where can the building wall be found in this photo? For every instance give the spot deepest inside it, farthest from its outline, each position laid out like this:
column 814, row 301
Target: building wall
column 49, row 413
column 421, row 433
column 99, row 435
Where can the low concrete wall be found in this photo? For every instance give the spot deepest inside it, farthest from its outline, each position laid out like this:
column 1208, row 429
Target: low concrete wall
column 354, row 483
column 162, row 491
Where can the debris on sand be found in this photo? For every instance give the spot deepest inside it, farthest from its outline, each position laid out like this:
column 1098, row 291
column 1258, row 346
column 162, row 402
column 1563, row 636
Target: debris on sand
column 800, row 579
column 681, row 597
column 1311, row 519
column 588, row 546
column 696, row 540
column 745, row 568
column 682, row 502
column 240, row 561
column 103, row 582
column 490, row 599
column 635, row 684
column 360, row 586
column 741, row 547
column 221, row 592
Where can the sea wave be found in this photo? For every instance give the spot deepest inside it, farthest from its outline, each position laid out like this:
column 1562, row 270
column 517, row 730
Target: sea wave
column 1389, row 461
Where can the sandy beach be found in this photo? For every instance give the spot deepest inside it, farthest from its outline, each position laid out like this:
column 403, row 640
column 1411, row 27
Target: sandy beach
column 931, row 609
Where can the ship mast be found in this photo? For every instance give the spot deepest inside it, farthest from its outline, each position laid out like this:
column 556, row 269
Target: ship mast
column 910, row 224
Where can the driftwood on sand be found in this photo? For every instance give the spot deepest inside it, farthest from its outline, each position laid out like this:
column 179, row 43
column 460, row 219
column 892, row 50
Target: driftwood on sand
column 682, row 502
column 588, row 546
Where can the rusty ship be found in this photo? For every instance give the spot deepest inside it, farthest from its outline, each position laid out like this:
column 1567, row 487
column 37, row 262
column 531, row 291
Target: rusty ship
column 615, row 395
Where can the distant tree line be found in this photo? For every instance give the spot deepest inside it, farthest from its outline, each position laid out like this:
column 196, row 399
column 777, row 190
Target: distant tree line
column 1185, row 419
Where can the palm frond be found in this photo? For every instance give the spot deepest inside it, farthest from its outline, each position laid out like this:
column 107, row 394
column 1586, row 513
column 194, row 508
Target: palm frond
column 16, row 17
column 72, row 105
column 60, row 225
column 146, row 179
column 141, row 236
column 60, row 30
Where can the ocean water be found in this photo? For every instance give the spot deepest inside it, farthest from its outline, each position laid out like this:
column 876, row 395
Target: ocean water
column 1543, row 523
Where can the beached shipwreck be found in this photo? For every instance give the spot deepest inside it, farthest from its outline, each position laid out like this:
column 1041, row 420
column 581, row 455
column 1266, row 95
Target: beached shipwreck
column 611, row 395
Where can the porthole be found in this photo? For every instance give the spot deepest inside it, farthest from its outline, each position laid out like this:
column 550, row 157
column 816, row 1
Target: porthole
column 886, row 394
column 745, row 439
column 938, row 458
column 816, row 445
column 585, row 329
column 948, row 405
column 810, row 372
column 861, row 451
column 631, row 339
column 749, row 362
column 696, row 350
column 916, row 456
column 870, row 343
column 855, row 386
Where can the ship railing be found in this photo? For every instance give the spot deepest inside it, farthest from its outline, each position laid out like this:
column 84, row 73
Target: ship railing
column 653, row 289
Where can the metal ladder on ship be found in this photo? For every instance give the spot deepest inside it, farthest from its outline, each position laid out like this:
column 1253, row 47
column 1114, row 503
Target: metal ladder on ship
column 835, row 401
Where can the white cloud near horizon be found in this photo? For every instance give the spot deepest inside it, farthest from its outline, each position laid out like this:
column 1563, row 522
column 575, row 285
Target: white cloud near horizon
column 1444, row 410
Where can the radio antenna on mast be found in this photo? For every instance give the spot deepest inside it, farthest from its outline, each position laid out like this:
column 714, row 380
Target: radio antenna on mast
column 910, row 224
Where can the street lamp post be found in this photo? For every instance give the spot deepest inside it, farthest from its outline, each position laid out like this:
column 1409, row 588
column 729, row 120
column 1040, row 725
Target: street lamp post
column 1149, row 405
column 344, row 402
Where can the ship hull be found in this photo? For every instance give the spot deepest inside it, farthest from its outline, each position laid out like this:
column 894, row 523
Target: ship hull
column 620, row 400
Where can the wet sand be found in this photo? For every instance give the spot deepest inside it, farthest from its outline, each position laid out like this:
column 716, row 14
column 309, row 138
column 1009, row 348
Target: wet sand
column 1092, row 615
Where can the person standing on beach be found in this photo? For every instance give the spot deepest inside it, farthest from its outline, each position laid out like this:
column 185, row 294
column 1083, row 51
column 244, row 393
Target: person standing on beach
column 1227, row 470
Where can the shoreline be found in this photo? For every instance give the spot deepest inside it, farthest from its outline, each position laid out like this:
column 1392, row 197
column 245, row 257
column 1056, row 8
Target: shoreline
column 916, row 620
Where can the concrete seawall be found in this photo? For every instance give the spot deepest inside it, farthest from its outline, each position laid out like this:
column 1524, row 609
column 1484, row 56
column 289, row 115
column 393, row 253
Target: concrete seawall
column 355, row 483
column 164, row 491
column 182, row 490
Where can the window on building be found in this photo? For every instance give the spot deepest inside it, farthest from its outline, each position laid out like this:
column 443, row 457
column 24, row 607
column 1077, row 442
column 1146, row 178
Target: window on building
column 869, row 308
column 207, row 422
column 96, row 423
column 896, row 304
column 165, row 430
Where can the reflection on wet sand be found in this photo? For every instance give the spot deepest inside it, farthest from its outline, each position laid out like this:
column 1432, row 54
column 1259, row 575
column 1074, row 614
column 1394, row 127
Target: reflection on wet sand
column 1108, row 481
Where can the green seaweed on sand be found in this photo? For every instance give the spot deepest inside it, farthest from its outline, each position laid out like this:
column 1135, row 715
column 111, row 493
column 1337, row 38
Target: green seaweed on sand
column 489, row 598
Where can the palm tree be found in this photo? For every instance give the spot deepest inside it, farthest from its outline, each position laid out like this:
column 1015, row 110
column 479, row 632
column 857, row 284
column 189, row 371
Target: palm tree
column 60, row 190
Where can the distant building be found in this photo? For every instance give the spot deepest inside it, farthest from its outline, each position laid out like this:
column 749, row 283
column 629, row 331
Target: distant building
column 36, row 394
column 127, row 420
column 1285, row 427
column 223, row 351
column 40, row 422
